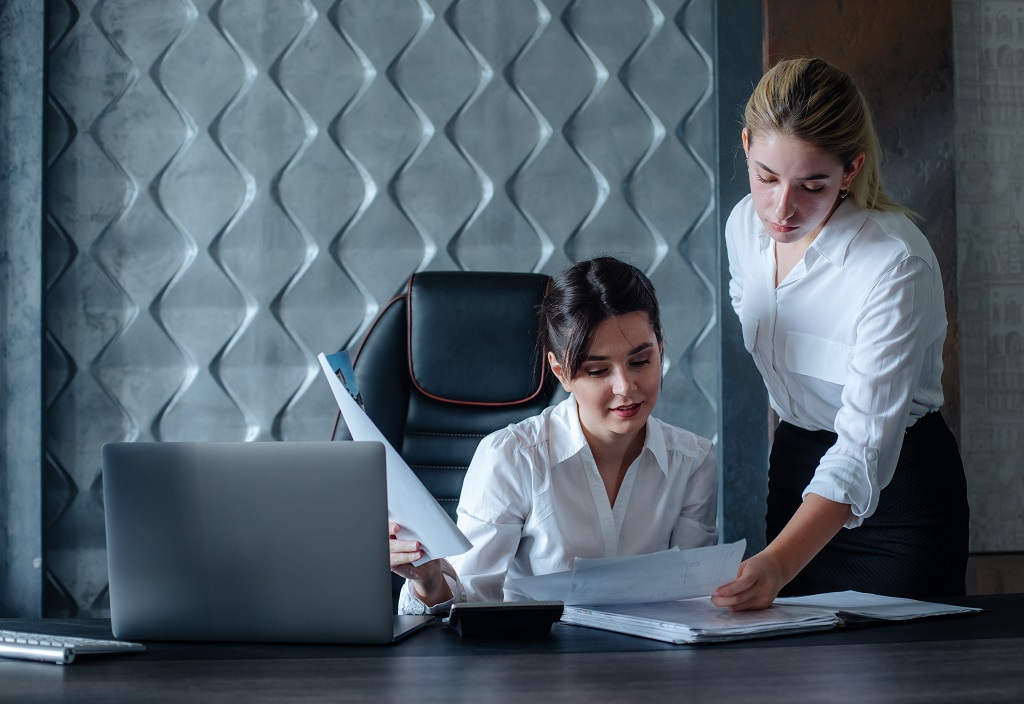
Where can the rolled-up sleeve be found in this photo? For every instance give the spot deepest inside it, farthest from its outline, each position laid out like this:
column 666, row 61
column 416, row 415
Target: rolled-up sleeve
column 894, row 329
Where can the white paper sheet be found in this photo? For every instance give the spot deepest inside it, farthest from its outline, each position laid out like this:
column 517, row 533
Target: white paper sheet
column 661, row 576
column 873, row 606
column 409, row 503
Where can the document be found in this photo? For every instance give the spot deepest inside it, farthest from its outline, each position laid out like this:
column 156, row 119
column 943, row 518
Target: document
column 409, row 503
column 859, row 606
column 698, row 620
column 657, row 577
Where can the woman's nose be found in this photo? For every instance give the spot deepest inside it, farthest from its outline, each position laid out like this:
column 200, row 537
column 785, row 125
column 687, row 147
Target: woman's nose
column 622, row 383
column 784, row 204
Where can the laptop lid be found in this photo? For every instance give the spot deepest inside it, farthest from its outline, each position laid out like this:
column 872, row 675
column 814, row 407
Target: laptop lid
column 236, row 541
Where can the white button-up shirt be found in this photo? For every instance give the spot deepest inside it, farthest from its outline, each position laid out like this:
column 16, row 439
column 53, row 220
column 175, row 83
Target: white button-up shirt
column 850, row 341
column 533, row 501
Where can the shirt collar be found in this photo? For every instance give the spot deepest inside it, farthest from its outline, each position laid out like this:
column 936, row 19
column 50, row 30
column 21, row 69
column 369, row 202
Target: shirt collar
column 567, row 444
column 833, row 242
column 568, row 438
column 655, row 444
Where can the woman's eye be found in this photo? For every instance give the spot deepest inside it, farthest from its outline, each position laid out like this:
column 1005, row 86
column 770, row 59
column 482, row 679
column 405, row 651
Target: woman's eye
column 817, row 189
column 762, row 179
column 594, row 372
column 640, row 362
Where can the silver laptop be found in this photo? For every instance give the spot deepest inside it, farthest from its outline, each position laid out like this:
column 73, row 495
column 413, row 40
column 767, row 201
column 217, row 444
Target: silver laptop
column 260, row 542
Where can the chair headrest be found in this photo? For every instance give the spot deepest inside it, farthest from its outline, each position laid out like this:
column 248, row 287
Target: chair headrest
column 473, row 336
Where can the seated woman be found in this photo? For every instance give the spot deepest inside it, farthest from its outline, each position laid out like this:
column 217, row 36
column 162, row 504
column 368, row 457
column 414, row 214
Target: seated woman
column 594, row 476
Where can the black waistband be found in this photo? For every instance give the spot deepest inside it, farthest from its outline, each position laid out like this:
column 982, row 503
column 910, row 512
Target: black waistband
column 930, row 420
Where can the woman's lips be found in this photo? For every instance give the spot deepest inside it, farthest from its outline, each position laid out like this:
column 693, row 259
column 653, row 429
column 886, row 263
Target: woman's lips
column 627, row 411
column 782, row 229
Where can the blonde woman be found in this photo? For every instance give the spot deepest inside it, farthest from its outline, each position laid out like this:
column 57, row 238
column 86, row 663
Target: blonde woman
column 841, row 305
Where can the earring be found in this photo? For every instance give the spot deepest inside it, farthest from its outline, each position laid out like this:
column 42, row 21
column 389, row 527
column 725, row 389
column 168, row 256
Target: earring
column 843, row 192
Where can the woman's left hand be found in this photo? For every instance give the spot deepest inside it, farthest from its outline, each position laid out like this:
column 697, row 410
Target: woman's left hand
column 756, row 585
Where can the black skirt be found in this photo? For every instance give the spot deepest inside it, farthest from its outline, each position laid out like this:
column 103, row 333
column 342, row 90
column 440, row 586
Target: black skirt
column 914, row 544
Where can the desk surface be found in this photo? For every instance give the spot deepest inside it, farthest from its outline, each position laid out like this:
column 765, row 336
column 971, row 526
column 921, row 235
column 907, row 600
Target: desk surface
column 957, row 659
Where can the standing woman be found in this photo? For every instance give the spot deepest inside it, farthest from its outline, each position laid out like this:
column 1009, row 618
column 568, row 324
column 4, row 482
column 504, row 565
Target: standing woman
column 840, row 301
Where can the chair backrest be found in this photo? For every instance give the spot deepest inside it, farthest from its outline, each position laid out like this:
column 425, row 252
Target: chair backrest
column 451, row 360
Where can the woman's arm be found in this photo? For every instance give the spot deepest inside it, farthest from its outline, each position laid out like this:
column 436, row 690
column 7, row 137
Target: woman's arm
column 495, row 500
column 902, row 320
column 734, row 233
column 492, row 505
column 762, row 576
column 696, row 525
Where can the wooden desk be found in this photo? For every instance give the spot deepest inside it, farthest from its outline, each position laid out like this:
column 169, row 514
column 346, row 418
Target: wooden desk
column 976, row 658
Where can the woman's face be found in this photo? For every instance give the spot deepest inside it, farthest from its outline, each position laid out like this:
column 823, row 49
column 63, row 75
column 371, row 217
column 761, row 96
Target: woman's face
column 620, row 377
column 795, row 185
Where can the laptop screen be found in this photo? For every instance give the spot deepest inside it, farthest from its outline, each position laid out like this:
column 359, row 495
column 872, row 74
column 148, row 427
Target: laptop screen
column 234, row 541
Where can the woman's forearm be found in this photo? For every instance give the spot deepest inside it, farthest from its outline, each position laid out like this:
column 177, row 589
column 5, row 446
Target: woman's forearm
column 814, row 524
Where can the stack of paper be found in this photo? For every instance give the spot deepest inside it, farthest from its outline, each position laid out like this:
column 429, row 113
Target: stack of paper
column 652, row 596
column 698, row 620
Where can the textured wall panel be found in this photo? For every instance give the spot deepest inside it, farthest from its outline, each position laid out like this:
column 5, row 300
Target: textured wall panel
column 990, row 209
column 497, row 132
column 234, row 186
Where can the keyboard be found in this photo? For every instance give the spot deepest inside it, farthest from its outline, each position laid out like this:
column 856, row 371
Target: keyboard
column 57, row 649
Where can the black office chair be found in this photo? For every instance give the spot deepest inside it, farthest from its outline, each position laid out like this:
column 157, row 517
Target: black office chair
column 451, row 360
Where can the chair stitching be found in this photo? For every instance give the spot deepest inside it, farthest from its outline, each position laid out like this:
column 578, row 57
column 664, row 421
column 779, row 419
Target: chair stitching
column 441, row 466
column 439, row 434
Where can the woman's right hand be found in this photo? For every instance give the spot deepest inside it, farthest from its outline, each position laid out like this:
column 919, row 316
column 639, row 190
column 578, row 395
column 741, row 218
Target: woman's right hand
column 759, row 581
column 426, row 580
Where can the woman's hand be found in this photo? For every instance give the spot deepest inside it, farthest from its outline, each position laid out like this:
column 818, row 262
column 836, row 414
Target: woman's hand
column 756, row 585
column 426, row 580
column 762, row 576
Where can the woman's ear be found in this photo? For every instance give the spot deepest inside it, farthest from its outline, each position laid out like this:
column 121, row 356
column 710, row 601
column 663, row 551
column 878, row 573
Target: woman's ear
column 558, row 371
column 745, row 136
column 851, row 172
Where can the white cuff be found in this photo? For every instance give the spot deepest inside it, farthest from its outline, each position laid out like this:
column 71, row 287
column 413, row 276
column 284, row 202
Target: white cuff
column 847, row 480
column 409, row 604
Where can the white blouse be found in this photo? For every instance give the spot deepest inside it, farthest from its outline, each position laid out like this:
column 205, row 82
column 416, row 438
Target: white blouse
column 533, row 501
column 850, row 341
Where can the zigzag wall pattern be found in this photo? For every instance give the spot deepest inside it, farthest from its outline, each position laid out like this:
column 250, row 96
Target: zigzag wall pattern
column 235, row 186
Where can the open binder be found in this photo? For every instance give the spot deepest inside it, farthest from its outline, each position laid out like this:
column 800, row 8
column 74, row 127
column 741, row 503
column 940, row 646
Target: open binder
column 699, row 621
